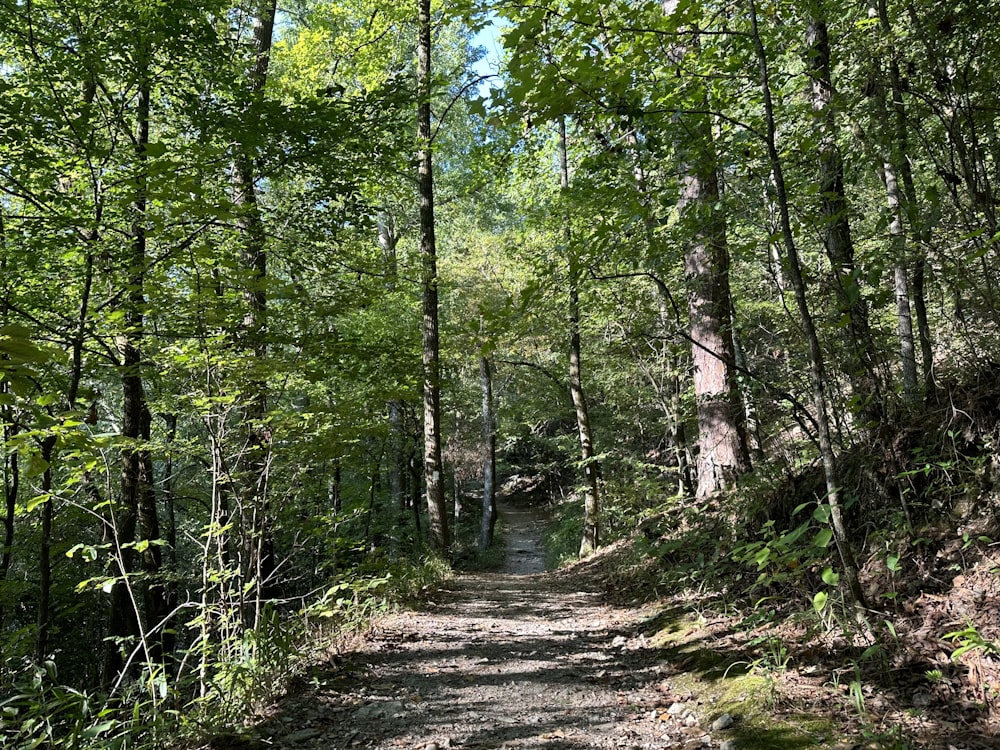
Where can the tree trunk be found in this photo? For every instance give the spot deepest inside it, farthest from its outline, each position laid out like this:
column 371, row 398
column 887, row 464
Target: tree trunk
column 851, row 306
column 433, row 475
column 907, row 202
column 722, row 447
column 11, row 487
column 722, row 454
column 11, row 467
column 138, row 498
column 388, row 239
column 591, row 487
column 44, row 619
column 259, row 554
column 817, row 374
column 923, row 325
column 901, row 286
column 489, row 517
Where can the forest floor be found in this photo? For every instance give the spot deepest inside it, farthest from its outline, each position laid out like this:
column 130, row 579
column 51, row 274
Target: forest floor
column 548, row 660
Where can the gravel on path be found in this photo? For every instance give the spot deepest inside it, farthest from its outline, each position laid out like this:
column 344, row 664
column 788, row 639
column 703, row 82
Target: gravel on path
column 519, row 659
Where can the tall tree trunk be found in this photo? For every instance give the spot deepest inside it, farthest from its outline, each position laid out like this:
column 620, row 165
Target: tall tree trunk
column 44, row 619
column 923, row 324
column 433, row 474
column 906, row 200
column 138, row 498
column 895, row 173
column 388, row 239
column 861, row 362
column 722, row 446
column 11, row 488
column 591, row 484
column 722, row 454
column 11, row 467
column 901, row 284
column 489, row 517
column 817, row 372
column 259, row 554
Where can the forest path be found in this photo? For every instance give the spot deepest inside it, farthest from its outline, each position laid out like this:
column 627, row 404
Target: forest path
column 520, row 659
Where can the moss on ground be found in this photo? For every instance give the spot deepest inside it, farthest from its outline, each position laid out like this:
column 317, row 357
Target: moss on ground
column 729, row 683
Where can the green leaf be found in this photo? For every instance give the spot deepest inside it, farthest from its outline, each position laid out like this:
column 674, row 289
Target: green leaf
column 36, row 466
column 37, row 500
column 819, row 601
column 822, row 538
column 892, row 562
column 830, row 578
column 99, row 729
column 792, row 536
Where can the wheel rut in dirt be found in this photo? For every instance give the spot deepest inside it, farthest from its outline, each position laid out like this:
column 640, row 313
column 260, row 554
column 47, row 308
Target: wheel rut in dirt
column 521, row 659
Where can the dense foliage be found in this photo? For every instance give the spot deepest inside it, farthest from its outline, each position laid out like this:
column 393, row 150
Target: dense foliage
column 691, row 255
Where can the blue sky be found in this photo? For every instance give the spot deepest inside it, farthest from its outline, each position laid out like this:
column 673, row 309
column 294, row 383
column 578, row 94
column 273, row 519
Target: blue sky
column 489, row 38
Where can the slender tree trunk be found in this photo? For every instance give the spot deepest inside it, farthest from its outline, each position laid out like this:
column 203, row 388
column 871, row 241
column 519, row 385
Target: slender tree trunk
column 416, row 485
column 11, row 488
column 754, row 443
column 433, row 471
column 44, row 620
column 489, row 517
column 895, row 172
column 259, row 553
column 851, row 306
column 388, row 239
column 397, row 457
column 901, row 286
column 817, row 373
column 137, row 484
column 906, row 201
column 591, row 487
column 923, row 324
column 11, row 467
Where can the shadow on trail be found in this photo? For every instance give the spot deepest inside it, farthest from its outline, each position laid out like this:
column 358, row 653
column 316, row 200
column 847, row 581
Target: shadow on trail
column 525, row 660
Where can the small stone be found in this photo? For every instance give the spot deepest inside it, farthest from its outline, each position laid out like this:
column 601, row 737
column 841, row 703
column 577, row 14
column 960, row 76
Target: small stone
column 728, row 745
column 379, row 710
column 690, row 720
column 676, row 709
column 723, row 722
column 619, row 642
column 303, row 734
column 922, row 699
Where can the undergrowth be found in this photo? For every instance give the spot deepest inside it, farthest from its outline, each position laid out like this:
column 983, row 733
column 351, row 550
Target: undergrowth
column 921, row 501
column 237, row 676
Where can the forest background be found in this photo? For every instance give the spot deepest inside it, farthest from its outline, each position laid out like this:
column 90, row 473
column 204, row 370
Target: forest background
column 289, row 292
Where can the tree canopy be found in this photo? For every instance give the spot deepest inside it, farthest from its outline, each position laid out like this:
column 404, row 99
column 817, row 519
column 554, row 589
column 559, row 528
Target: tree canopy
column 690, row 257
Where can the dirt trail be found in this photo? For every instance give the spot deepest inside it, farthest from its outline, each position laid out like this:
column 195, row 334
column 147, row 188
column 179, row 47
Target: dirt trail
column 520, row 659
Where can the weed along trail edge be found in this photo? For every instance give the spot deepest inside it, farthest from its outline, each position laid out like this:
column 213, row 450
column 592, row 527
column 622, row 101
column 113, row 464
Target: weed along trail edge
column 519, row 659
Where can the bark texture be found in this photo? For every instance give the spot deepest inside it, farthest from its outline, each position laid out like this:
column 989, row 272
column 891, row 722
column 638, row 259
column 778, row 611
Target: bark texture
column 591, row 483
column 722, row 451
column 489, row 517
column 861, row 361
column 433, row 469
column 258, row 554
